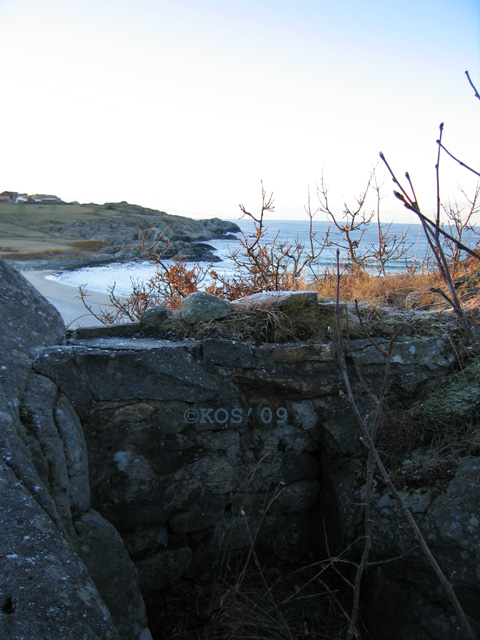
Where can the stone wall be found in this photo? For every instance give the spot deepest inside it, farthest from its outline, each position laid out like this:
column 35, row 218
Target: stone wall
column 128, row 463
column 183, row 438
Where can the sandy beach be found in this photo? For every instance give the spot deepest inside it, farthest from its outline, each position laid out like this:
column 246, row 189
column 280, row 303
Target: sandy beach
column 66, row 299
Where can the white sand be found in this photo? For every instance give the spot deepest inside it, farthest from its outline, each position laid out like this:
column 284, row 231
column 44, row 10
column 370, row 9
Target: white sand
column 67, row 300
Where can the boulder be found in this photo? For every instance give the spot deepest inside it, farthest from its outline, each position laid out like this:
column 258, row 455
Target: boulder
column 278, row 299
column 46, row 591
column 154, row 318
column 58, row 454
column 29, row 321
column 203, row 307
column 114, row 574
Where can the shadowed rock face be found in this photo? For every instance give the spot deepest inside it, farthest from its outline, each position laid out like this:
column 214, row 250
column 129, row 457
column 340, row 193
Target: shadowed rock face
column 46, row 590
column 28, row 321
column 121, row 448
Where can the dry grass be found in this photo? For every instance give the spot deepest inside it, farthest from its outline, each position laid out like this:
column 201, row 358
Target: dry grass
column 402, row 290
column 260, row 592
column 35, row 255
column 266, row 322
column 235, row 606
column 88, row 245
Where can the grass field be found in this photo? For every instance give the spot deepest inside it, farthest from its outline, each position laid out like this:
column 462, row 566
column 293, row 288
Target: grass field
column 22, row 236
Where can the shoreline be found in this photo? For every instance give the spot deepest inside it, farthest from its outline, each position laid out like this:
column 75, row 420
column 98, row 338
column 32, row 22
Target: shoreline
column 66, row 299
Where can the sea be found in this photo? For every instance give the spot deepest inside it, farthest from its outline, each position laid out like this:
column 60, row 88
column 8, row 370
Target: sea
column 123, row 274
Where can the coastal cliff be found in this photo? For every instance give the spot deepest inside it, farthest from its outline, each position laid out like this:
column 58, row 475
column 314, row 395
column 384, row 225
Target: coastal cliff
column 72, row 235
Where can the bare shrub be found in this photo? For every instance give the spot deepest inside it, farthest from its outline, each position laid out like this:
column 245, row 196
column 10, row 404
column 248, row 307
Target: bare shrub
column 266, row 264
column 437, row 237
column 352, row 223
column 461, row 220
column 171, row 282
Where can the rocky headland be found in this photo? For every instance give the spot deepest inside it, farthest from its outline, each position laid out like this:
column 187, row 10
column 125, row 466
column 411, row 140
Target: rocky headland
column 64, row 236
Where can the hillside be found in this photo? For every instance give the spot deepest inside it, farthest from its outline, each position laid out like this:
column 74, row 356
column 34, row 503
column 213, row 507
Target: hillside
column 70, row 235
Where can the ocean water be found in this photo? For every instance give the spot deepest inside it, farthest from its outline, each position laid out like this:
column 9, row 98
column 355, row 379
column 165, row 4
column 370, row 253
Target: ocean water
column 103, row 278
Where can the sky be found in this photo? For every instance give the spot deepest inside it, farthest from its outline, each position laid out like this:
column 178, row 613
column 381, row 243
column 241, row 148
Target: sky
column 190, row 106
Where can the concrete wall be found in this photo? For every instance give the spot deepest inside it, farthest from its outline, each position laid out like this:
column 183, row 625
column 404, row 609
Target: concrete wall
column 192, row 444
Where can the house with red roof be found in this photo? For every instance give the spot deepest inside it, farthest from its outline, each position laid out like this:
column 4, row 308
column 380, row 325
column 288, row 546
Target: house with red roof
column 7, row 196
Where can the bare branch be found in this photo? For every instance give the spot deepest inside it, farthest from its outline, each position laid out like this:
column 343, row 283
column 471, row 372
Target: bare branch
column 412, row 205
column 477, row 95
column 377, row 461
column 462, row 164
column 437, row 175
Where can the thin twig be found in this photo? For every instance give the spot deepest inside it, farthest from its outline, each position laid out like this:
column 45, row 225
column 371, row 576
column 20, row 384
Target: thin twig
column 371, row 462
column 432, row 232
column 477, row 95
column 437, row 175
column 83, row 295
column 462, row 164
column 388, row 481
column 414, row 206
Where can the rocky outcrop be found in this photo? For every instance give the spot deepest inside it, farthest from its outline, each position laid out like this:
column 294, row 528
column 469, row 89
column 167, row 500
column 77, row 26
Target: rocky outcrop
column 118, row 229
column 128, row 460
column 48, row 528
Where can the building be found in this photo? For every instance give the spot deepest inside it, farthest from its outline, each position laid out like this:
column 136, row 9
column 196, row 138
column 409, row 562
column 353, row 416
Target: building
column 37, row 198
column 8, row 196
column 40, row 198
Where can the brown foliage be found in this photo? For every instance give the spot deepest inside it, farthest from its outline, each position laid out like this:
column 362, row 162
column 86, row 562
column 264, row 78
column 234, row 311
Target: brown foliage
column 170, row 283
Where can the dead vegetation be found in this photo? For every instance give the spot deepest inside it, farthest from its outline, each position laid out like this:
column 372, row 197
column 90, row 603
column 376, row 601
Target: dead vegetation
column 234, row 606
column 265, row 264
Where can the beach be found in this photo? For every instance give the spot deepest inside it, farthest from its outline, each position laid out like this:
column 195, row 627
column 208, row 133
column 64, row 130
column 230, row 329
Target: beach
column 67, row 300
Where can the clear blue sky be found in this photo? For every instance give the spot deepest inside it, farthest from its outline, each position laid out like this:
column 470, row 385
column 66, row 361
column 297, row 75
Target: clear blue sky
column 187, row 105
